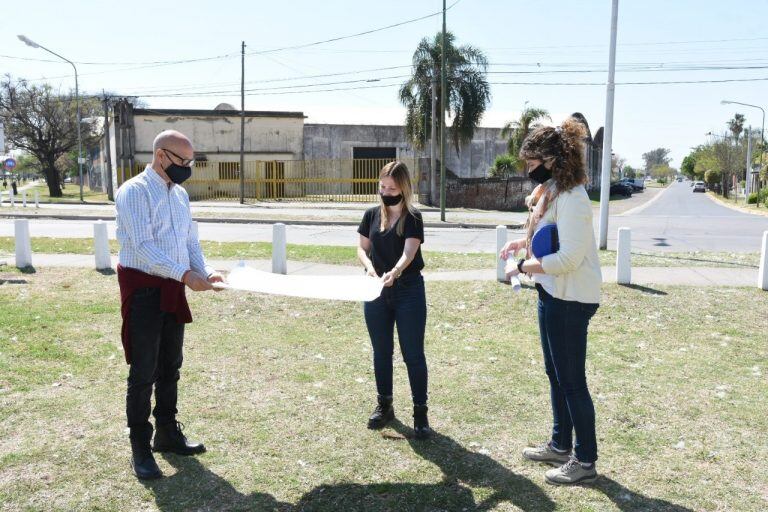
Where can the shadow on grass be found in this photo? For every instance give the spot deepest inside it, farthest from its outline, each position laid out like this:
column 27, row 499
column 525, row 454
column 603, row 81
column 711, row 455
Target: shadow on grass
column 630, row 501
column 195, row 487
column 719, row 263
column 106, row 271
column 28, row 270
column 461, row 469
column 644, row 289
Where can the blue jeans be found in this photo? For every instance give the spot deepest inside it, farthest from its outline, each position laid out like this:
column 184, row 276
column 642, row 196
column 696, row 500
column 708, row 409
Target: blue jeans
column 403, row 304
column 563, row 326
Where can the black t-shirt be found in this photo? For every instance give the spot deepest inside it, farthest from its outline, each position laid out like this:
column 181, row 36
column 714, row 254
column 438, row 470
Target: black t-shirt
column 386, row 246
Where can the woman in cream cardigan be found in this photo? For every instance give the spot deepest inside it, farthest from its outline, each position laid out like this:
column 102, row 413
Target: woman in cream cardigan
column 568, row 283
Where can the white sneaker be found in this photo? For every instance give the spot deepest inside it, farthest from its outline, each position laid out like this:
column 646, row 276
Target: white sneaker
column 545, row 453
column 571, row 473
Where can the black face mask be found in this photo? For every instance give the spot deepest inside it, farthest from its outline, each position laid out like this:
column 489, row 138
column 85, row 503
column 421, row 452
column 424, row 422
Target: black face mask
column 391, row 200
column 540, row 174
column 178, row 173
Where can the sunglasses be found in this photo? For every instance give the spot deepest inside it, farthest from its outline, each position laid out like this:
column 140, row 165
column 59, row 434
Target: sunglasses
column 184, row 162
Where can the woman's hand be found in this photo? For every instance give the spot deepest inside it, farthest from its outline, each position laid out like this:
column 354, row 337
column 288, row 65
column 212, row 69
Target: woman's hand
column 512, row 247
column 371, row 272
column 388, row 279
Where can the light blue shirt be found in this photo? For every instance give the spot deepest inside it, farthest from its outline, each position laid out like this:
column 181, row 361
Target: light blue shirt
column 154, row 228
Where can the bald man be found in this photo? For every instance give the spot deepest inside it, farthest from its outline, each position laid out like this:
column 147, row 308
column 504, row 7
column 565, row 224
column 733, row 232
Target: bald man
column 159, row 255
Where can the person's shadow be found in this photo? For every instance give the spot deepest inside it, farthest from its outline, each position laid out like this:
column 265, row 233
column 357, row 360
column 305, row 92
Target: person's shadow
column 461, row 469
column 630, row 501
column 195, row 487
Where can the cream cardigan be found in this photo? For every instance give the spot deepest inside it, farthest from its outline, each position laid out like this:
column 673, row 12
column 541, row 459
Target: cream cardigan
column 576, row 266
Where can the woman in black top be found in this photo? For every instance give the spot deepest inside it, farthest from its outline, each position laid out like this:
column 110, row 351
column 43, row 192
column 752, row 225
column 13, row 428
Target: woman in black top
column 391, row 235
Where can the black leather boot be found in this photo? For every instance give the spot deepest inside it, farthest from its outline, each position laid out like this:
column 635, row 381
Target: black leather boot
column 421, row 428
column 142, row 461
column 383, row 414
column 170, row 438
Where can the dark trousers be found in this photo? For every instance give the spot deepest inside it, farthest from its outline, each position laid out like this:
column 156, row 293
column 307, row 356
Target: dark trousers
column 156, row 340
column 563, row 327
column 403, row 305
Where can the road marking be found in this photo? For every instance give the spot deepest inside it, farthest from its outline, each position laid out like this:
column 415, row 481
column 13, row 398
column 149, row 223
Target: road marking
column 642, row 207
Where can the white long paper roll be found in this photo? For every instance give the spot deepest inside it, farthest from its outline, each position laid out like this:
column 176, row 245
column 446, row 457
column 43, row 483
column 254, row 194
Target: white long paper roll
column 353, row 288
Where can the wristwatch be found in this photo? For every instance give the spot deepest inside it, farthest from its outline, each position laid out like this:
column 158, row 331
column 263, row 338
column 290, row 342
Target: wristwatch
column 520, row 265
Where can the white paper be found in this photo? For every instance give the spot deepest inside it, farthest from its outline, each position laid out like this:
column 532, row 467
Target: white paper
column 352, row 288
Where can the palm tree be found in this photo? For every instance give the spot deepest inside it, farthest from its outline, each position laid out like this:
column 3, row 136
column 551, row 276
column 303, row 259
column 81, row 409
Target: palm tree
column 468, row 92
column 736, row 125
column 518, row 130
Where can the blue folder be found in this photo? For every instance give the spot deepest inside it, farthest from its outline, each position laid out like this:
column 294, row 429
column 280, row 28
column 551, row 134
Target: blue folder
column 545, row 241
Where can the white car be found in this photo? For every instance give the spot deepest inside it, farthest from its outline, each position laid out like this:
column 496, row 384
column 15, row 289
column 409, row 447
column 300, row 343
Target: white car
column 699, row 186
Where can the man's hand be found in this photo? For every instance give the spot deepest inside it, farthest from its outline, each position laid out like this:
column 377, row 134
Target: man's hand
column 371, row 272
column 196, row 282
column 215, row 277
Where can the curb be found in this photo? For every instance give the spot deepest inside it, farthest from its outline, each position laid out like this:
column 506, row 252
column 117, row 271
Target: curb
column 287, row 222
column 759, row 213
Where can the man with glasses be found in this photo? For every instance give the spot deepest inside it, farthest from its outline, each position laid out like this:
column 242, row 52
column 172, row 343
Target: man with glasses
column 159, row 255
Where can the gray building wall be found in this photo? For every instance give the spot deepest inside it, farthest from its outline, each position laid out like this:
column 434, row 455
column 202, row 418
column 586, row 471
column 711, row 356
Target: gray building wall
column 336, row 141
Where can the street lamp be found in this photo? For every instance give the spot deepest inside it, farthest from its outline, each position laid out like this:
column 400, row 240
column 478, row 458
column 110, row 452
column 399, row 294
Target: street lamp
column 33, row 44
column 762, row 141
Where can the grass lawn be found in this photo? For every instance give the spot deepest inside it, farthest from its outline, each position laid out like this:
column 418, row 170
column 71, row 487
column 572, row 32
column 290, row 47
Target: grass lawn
column 71, row 194
column 279, row 389
column 435, row 261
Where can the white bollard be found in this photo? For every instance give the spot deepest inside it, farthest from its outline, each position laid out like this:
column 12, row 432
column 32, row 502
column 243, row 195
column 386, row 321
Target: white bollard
column 101, row 245
column 1, row 198
column 624, row 256
column 23, row 243
column 279, row 250
column 501, row 240
column 10, row 196
column 37, row 199
column 24, row 198
column 762, row 275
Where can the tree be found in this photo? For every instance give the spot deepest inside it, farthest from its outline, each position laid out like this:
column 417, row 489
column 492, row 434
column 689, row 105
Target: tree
column 629, row 171
column 736, row 125
column 518, row 130
column 688, row 166
column 654, row 157
column 44, row 123
column 504, row 166
column 662, row 172
column 712, row 177
column 468, row 92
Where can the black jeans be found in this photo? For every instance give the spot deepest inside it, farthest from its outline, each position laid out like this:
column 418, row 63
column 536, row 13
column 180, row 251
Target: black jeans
column 405, row 305
column 156, row 356
column 563, row 326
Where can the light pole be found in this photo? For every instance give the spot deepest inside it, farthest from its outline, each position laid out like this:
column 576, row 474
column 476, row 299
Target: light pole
column 33, row 44
column 762, row 142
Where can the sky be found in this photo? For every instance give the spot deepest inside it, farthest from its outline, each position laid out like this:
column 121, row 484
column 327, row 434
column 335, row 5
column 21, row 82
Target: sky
column 551, row 55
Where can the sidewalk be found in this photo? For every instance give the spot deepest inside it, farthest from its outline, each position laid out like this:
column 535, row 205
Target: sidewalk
column 641, row 276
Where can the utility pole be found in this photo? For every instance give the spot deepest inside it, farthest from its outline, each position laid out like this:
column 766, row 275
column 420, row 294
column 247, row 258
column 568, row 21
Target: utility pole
column 442, row 121
column 605, row 179
column 108, row 149
column 433, row 144
column 242, row 123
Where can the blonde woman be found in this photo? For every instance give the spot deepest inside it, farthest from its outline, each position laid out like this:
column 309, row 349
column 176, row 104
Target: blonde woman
column 568, row 280
column 391, row 234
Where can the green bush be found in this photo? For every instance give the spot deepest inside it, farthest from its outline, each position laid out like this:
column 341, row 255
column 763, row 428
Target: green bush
column 752, row 199
column 504, row 166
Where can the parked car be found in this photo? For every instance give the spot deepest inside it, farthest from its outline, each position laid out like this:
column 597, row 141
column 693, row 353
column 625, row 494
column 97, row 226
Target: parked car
column 621, row 189
column 679, row 179
column 699, row 187
column 637, row 184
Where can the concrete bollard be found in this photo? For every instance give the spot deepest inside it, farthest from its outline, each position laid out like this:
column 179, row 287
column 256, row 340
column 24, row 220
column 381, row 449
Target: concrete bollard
column 101, row 245
column 23, row 243
column 624, row 256
column 24, row 198
column 37, row 199
column 279, row 249
column 501, row 240
column 1, row 198
column 762, row 275
column 11, row 197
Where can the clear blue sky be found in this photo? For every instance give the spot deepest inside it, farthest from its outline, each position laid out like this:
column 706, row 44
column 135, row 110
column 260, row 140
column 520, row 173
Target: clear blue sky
column 560, row 41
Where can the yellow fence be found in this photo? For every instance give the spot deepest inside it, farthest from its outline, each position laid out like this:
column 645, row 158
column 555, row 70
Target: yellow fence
column 343, row 180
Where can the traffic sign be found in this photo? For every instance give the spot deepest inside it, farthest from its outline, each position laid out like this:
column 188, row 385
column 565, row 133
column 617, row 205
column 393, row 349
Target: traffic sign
column 10, row 163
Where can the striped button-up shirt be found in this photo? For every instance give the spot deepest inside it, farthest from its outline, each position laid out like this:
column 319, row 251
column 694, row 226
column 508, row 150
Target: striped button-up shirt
column 154, row 228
